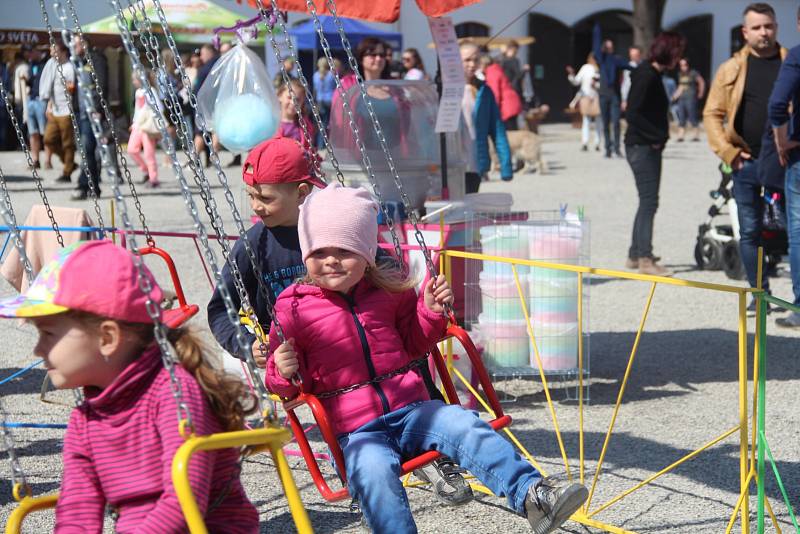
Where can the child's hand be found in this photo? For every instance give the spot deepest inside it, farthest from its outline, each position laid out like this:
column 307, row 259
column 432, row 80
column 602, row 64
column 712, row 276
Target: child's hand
column 435, row 300
column 286, row 359
column 259, row 355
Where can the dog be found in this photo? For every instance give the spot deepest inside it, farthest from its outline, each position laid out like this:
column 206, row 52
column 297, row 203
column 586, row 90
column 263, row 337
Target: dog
column 525, row 147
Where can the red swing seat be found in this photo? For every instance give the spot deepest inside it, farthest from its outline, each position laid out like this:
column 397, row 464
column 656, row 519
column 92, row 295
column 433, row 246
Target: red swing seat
column 500, row 420
column 175, row 317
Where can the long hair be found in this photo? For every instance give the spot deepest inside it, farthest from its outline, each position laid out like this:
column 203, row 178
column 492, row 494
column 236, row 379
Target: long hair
column 417, row 59
column 368, row 45
column 228, row 396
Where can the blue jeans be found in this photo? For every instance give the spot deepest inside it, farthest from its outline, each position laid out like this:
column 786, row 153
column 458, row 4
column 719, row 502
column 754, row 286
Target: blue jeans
column 610, row 112
column 645, row 162
column 92, row 163
column 792, row 192
column 36, row 116
column 750, row 209
column 373, row 455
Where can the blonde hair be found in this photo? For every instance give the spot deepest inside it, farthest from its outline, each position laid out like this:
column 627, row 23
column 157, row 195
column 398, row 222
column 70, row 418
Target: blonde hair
column 387, row 274
column 228, row 396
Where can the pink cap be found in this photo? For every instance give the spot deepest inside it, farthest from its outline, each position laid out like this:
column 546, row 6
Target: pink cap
column 340, row 217
column 97, row 277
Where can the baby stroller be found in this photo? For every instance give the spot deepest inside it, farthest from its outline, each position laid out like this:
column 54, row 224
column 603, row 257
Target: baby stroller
column 717, row 245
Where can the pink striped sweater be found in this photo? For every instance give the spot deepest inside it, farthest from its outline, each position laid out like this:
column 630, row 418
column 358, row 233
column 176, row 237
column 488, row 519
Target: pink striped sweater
column 118, row 452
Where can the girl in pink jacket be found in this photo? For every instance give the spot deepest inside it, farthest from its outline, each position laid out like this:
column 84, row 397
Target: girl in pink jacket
column 351, row 320
column 95, row 333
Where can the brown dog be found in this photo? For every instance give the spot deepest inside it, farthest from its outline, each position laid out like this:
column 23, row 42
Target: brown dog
column 525, row 146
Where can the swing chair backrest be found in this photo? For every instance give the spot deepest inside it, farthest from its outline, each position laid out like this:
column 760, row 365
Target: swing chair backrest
column 175, row 317
column 499, row 419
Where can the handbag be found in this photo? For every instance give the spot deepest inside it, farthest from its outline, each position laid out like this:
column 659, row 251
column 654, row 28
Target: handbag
column 146, row 121
column 589, row 107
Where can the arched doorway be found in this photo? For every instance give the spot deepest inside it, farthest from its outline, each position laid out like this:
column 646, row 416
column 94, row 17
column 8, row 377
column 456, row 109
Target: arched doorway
column 616, row 24
column 472, row 29
column 697, row 31
column 547, row 57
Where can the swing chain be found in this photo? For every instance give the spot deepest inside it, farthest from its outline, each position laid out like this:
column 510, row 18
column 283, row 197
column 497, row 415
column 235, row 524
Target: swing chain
column 413, row 364
column 111, row 128
column 153, row 308
column 169, row 147
column 206, row 195
column 356, row 135
column 76, row 132
column 412, row 216
column 36, row 178
column 7, row 211
column 18, row 476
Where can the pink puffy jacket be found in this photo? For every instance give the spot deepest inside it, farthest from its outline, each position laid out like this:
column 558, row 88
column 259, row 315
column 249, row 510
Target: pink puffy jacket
column 343, row 340
column 507, row 98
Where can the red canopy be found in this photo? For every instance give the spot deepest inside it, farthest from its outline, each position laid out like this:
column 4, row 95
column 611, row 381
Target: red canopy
column 388, row 10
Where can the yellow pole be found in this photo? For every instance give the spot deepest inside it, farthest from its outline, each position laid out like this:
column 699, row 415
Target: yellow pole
column 25, row 507
column 298, row 511
column 113, row 223
column 541, row 371
column 756, row 356
column 743, row 442
column 580, row 376
column 740, row 504
column 620, row 394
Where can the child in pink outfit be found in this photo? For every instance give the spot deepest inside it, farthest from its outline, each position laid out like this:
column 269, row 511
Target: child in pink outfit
column 95, row 333
column 143, row 137
column 352, row 319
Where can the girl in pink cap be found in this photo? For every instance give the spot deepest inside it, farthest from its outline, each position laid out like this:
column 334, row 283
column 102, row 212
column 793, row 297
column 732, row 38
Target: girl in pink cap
column 95, row 333
column 352, row 319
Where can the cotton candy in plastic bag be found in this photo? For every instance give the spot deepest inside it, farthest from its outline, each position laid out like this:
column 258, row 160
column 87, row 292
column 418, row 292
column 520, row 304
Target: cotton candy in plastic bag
column 238, row 100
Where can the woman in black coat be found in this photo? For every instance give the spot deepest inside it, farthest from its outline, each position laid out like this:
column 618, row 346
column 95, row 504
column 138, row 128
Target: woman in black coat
column 648, row 131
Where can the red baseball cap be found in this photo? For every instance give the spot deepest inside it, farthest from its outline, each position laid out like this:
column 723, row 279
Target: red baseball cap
column 279, row 161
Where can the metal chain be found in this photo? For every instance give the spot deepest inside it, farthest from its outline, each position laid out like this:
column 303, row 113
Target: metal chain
column 413, row 364
column 384, row 145
column 36, row 178
column 76, row 132
column 112, row 129
column 351, row 120
column 17, row 473
column 169, row 147
column 7, row 211
column 151, row 43
column 153, row 307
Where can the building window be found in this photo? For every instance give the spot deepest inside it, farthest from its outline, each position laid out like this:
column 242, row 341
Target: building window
column 472, row 29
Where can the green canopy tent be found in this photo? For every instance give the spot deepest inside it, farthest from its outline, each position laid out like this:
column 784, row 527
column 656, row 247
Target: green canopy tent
column 191, row 22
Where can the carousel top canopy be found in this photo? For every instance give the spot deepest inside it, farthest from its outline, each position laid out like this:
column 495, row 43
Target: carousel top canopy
column 389, row 10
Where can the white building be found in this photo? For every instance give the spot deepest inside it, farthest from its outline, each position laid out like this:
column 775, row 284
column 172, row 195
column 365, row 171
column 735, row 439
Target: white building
column 562, row 29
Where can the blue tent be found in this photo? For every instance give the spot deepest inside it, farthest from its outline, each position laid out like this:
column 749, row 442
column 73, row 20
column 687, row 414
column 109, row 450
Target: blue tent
column 306, row 38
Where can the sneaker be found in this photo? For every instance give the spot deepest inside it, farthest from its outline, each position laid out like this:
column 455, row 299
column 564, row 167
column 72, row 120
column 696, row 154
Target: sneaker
column 548, row 505
column 355, row 508
column 236, row 161
column 145, row 179
column 448, row 483
column 63, row 179
column 37, row 165
column 79, row 194
column 633, row 263
column 751, row 309
column 790, row 321
column 584, row 148
column 619, row 154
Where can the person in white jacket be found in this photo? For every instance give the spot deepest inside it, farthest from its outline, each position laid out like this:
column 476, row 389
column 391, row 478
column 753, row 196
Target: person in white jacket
column 587, row 100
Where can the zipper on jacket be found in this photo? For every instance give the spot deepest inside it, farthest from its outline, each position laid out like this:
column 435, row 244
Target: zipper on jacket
column 362, row 336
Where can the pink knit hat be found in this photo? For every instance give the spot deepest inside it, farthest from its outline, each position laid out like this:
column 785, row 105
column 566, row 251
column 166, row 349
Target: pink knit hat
column 341, row 217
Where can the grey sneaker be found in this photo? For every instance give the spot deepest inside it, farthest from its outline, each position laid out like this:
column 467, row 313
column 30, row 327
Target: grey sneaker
column 448, row 483
column 548, row 505
column 790, row 321
column 355, row 508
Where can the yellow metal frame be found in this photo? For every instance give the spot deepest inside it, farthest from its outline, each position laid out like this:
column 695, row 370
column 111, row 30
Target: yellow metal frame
column 26, row 506
column 269, row 438
column 587, row 515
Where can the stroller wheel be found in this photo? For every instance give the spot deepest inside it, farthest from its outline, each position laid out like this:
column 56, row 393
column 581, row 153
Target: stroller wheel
column 708, row 254
column 732, row 261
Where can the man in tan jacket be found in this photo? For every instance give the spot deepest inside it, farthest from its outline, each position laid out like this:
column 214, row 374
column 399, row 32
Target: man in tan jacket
column 735, row 119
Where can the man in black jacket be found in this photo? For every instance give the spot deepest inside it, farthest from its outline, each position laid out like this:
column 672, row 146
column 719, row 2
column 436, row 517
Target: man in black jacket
column 90, row 169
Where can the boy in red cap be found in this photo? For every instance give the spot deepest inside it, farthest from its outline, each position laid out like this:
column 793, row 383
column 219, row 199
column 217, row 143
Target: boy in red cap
column 278, row 177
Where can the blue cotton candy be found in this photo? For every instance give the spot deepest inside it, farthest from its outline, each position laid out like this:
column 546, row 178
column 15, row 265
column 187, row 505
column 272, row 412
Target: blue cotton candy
column 243, row 121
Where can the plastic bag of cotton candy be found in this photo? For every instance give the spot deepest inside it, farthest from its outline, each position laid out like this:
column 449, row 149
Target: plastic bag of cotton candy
column 238, row 100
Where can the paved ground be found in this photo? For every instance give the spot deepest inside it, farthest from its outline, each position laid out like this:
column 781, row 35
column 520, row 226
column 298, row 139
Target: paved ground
column 682, row 393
